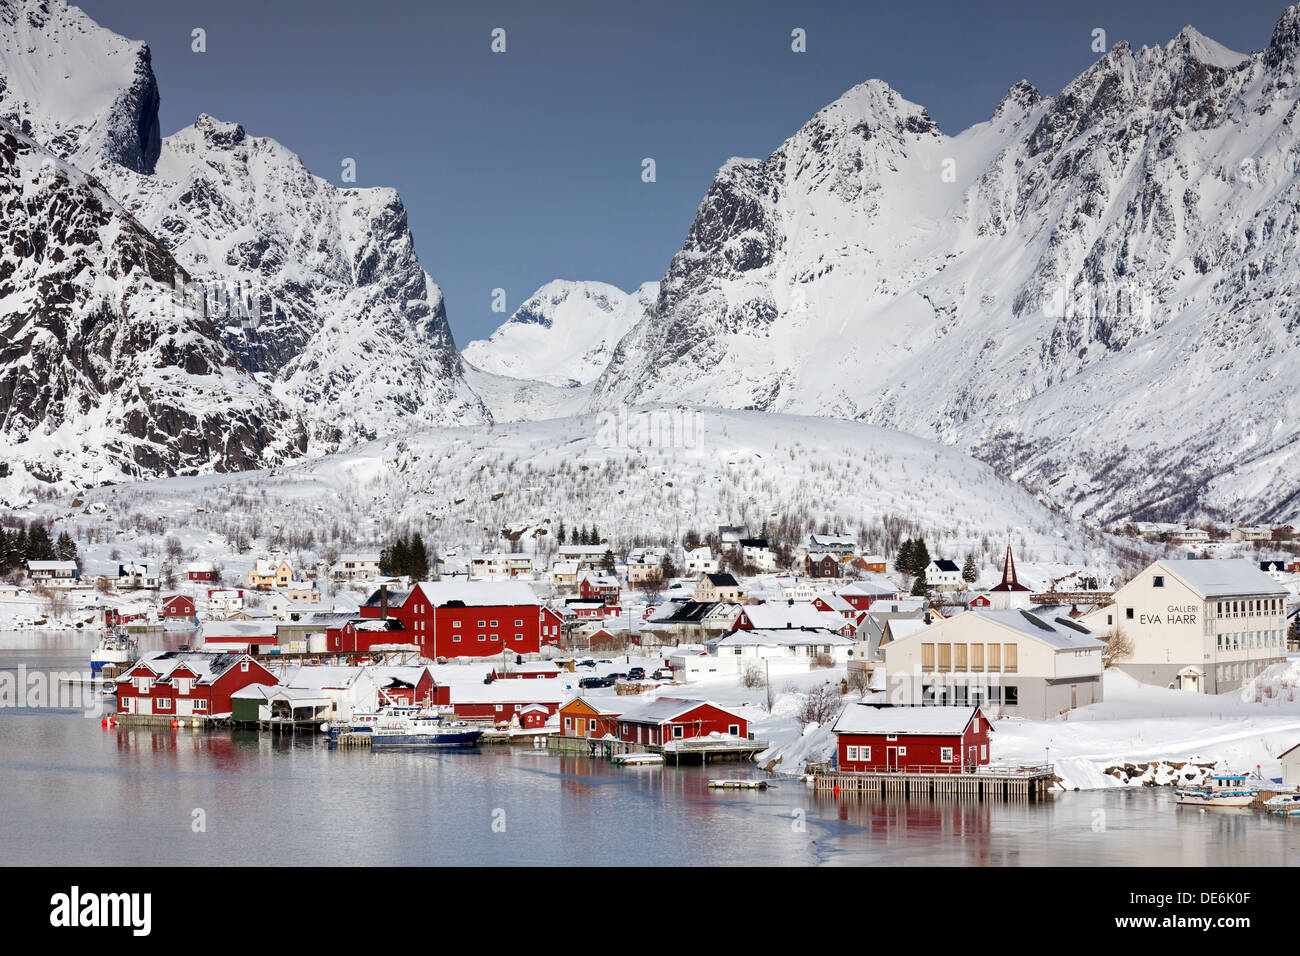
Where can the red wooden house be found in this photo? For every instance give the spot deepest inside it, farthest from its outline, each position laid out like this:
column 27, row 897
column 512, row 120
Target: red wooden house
column 501, row 700
column 601, row 587
column 882, row 737
column 862, row 594
column 836, row 605
column 177, row 605
column 981, row 600
column 187, row 683
column 201, row 572
column 410, row 684
column 551, row 620
column 674, row 718
column 453, row 619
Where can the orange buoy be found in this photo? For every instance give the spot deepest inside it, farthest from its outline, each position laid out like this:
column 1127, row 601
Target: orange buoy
column 175, row 724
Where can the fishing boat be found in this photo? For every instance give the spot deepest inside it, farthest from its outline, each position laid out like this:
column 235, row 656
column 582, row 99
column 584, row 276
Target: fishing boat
column 638, row 760
column 1284, row 804
column 113, row 648
column 1220, row 790
column 403, row 726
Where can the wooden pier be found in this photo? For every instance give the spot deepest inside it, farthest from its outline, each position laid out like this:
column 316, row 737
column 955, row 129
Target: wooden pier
column 1007, row 783
column 353, row 740
column 690, row 750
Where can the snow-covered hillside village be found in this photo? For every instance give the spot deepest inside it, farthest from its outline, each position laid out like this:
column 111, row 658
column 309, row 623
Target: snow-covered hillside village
column 1006, row 470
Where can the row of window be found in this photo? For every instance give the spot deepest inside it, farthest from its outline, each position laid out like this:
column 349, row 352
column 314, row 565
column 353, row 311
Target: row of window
column 962, row 695
column 970, row 657
column 484, row 637
column 1250, row 640
column 165, row 703
column 1254, row 606
column 1238, row 670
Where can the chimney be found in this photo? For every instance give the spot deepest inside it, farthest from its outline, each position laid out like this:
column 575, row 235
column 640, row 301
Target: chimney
column 383, row 601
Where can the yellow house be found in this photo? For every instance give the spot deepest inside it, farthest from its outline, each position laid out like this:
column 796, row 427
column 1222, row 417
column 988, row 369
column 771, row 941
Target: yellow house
column 268, row 574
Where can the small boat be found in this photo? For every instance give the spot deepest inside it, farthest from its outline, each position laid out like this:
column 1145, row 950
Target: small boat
column 1284, row 804
column 112, row 648
column 408, row 727
column 1221, row 790
column 637, row 760
column 737, row 784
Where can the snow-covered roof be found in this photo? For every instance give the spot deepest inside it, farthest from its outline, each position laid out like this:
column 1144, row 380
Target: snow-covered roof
column 780, row 637
column 207, row 666
column 1060, row 632
column 665, row 709
column 860, row 718
column 478, row 593
column 1213, row 578
column 51, row 565
column 779, row 614
column 321, row 676
column 511, row 692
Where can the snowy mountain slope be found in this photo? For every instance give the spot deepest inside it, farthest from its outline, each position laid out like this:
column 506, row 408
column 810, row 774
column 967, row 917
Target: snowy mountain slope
column 525, row 400
column 564, row 334
column 645, row 477
column 1093, row 292
column 106, row 372
column 316, row 288
column 83, row 92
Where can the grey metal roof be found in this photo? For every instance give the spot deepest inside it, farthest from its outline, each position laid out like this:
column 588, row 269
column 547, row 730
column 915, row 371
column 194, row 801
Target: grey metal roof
column 859, row 718
column 1229, row 577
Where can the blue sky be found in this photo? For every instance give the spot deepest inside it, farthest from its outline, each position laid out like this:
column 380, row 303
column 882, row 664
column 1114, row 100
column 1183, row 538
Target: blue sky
column 523, row 167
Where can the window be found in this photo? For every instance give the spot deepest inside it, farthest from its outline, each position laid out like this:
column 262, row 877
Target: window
column 945, row 754
column 851, row 753
column 243, row 667
column 927, row 657
column 677, row 730
column 164, row 703
column 902, row 751
column 864, row 753
column 455, row 623
column 519, row 623
column 1011, row 695
column 496, row 637
column 482, row 637
column 945, row 657
column 201, row 705
column 519, row 637
column 892, row 737
column 1128, row 613
column 494, row 623
column 1158, row 581
column 568, row 724
column 455, row 638
column 995, row 694
column 482, row 623
column 959, row 657
column 1009, row 658
column 733, row 729
column 977, row 657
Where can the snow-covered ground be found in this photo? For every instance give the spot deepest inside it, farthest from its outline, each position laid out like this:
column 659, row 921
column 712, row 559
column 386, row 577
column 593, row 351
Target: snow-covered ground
column 1136, row 724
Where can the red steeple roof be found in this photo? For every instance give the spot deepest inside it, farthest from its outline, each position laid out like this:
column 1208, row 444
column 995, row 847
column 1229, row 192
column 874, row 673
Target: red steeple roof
column 1009, row 582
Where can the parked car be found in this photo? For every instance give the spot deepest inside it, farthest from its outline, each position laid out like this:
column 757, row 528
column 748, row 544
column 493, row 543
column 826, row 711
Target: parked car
column 592, row 682
column 636, row 673
column 587, row 663
column 663, row 673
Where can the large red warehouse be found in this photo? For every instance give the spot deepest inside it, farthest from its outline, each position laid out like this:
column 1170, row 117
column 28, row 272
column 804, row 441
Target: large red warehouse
column 882, row 737
column 456, row 619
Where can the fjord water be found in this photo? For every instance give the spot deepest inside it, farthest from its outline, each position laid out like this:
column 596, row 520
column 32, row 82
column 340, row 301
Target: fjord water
column 75, row 793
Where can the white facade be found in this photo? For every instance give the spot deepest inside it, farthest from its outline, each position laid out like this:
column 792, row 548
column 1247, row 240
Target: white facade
column 700, row 561
column 1199, row 625
column 946, row 577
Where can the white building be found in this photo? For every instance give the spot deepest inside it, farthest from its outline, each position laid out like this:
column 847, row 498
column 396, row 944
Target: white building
column 943, row 575
column 1204, row 625
column 755, row 553
column 700, row 561
column 350, row 689
column 499, row 566
column 1010, row 661
column 784, row 644
column 357, row 566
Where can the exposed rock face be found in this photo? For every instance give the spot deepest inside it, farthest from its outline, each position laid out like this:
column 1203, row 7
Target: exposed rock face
column 316, row 288
column 1095, row 292
column 106, row 372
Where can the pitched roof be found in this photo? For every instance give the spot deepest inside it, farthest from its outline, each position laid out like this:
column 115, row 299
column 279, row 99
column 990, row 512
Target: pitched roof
column 781, row 637
column 723, row 580
column 1222, row 578
column 664, row 709
column 780, row 614
column 943, row 564
column 861, row 718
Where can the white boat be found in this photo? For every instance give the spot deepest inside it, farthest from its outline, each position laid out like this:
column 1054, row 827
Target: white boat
column 637, row 760
column 1221, row 790
column 1284, row 804
column 113, row 649
column 406, row 726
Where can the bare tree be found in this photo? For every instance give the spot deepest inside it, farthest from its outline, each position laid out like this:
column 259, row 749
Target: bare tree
column 1119, row 647
column 859, row 681
column 820, row 706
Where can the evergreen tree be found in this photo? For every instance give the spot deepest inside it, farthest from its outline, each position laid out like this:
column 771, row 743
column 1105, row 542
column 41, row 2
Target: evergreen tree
column 903, row 563
column 607, row 562
column 419, row 559
column 968, row 572
column 667, row 569
column 401, row 556
column 40, row 547
column 560, row 534
column 919, row 587
column 65, row 547
column 595, row 535
column 920, row 557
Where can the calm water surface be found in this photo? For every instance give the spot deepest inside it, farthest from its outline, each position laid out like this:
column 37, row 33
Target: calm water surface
column 73, row 793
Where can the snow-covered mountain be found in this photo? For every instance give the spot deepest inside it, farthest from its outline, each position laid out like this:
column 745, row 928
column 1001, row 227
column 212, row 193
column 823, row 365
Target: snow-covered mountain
column 107, row 373
column 83, row 92
column 1095, row 292
column 564, row 334
column 317, row 289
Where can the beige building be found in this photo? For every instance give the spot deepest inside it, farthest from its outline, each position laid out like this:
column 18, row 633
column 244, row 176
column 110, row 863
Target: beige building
column 1010, row 662
column 717, row 587
column 356, row 567
column 1203, row 625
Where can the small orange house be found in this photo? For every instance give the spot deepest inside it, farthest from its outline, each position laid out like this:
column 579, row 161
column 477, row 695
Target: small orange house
column 583, row 718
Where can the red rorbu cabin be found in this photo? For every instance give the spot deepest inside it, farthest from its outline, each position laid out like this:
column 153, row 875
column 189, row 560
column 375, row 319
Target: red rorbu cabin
column 879, row 738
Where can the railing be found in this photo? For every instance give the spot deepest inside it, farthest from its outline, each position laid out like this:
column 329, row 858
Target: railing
column 1038, row 770
column 714, row 743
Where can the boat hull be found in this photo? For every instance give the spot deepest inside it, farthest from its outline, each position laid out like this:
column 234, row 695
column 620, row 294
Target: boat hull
column 1193, row 799
column 382, row 741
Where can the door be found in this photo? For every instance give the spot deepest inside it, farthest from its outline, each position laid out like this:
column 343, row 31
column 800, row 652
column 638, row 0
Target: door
column 581, row 724
column 184, row 707
column 1074, row 696
column 972, row 758
column 891, row 758
column 144, row 705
